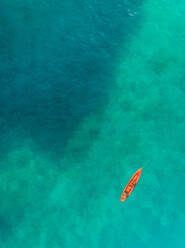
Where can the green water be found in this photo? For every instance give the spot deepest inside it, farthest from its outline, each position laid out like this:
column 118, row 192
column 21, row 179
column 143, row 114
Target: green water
column 72, row 199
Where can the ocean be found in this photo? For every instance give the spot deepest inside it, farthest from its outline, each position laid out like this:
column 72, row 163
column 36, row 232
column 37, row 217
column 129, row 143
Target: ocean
column 91, row 91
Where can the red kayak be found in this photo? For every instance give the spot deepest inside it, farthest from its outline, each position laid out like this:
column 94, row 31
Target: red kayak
column 131, row 184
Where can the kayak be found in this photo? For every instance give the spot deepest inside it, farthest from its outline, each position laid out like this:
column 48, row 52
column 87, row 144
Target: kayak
column 131, row 184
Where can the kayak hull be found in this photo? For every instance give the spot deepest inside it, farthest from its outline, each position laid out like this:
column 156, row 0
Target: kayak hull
column 131, row 185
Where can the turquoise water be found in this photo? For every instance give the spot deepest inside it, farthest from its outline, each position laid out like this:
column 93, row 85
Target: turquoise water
column 90, row 92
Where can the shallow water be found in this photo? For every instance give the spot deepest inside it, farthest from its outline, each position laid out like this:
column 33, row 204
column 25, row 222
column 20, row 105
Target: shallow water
column 90, row 92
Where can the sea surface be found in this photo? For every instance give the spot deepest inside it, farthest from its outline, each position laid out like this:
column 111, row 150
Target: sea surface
column 91, row 91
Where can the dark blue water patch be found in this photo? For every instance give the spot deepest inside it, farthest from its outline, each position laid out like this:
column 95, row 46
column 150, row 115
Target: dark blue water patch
column 5, row 227
column 56, row 64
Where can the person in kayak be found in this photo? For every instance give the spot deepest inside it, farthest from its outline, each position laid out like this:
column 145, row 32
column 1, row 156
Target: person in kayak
column 133, row 183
